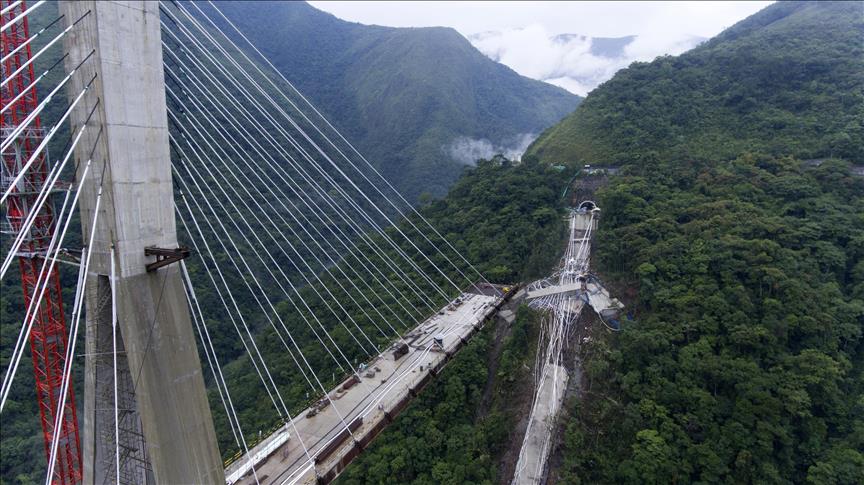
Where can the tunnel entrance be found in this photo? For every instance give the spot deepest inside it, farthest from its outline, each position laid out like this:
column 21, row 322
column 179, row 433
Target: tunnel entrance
column 587, row 206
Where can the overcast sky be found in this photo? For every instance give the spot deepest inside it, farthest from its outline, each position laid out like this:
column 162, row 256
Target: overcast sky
column 522, row 35
column 595, row 19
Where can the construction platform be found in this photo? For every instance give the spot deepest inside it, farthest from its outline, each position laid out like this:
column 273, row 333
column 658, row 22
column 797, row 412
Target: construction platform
column 334, row 433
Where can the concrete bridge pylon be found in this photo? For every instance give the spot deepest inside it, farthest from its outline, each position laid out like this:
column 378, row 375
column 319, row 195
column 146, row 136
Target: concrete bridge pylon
column 165, row 426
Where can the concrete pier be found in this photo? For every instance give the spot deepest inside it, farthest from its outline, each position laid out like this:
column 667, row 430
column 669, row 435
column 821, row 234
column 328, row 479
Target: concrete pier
column 161, row 377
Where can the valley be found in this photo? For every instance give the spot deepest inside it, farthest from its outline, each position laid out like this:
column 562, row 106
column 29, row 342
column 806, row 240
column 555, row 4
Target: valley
column 666, row 287
column 418, row 103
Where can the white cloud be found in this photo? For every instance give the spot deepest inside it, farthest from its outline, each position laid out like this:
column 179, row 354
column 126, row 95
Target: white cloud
column 647, row 47
column 524, row 34
column 568, row 60
column 468, row 150
column 593, row 18
column 570, row 84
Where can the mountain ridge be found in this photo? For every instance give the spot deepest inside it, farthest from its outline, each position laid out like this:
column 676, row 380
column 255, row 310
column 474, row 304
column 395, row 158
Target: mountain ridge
column 402, row 95
column 793, row 70
column 741, row 263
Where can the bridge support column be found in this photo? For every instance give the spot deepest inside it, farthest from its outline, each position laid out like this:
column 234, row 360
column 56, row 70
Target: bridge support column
column 162, row 389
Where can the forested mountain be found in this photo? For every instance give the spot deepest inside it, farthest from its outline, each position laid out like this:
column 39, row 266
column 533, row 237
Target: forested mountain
column 744, row 264
column 417, row 102
column 786, row 81
column 507, row 218
column 406, row 95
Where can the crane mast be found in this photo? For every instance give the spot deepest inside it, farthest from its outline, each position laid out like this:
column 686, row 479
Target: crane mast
column 48, row 337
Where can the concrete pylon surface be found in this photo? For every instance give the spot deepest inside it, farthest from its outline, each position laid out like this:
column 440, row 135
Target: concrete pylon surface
column 161, row 370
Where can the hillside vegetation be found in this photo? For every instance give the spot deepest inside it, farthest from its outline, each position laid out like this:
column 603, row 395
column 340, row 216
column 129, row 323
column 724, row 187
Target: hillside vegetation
column 506, row 218
column 450, row 434
column 786, row 81
column 509, row 237
column 403, row 96
column 745, row 361
column 476, row 218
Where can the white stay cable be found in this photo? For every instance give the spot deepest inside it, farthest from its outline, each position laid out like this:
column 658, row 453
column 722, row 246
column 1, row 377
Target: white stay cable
column 43, row 277
column 206, row 137
column 279, row 129
column 23, row 14
column 258, row 294
column 215, row 368
column 557, row 323
column 32, row 83
column 197, row 176
column 41, row 200
column 264, row 296
column 253, row 247
column 213, row 196
column 61, row 397
column 114, row 355
column 295, row 290
column 205, row 134
column 392, row 382
column 255, row 356
column 281, row 197
column 42, row 104
column 314, row 208
column 10, row 6
column 320, row 191
column 283, row 412
column 34, row 210
column 43, row 49
column 291, row 211
column 29, row 40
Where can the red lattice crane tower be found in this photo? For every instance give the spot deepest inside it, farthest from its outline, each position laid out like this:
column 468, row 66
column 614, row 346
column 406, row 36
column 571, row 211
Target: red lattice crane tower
column 48, row 338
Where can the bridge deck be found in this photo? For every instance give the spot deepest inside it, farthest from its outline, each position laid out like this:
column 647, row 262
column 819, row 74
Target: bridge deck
column 369, row 405
column 535, row 449
column 598, row 296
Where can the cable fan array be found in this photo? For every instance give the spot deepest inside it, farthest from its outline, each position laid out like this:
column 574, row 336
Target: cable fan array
column 309, row 258
column 307, row 261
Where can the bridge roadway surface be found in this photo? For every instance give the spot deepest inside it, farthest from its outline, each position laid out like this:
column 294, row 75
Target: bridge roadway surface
column 598, row 296
column 550, row 396
column 573, row 296
column 376, row 399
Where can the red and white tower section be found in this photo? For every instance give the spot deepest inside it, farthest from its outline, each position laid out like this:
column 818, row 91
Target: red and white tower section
column 48, row 337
